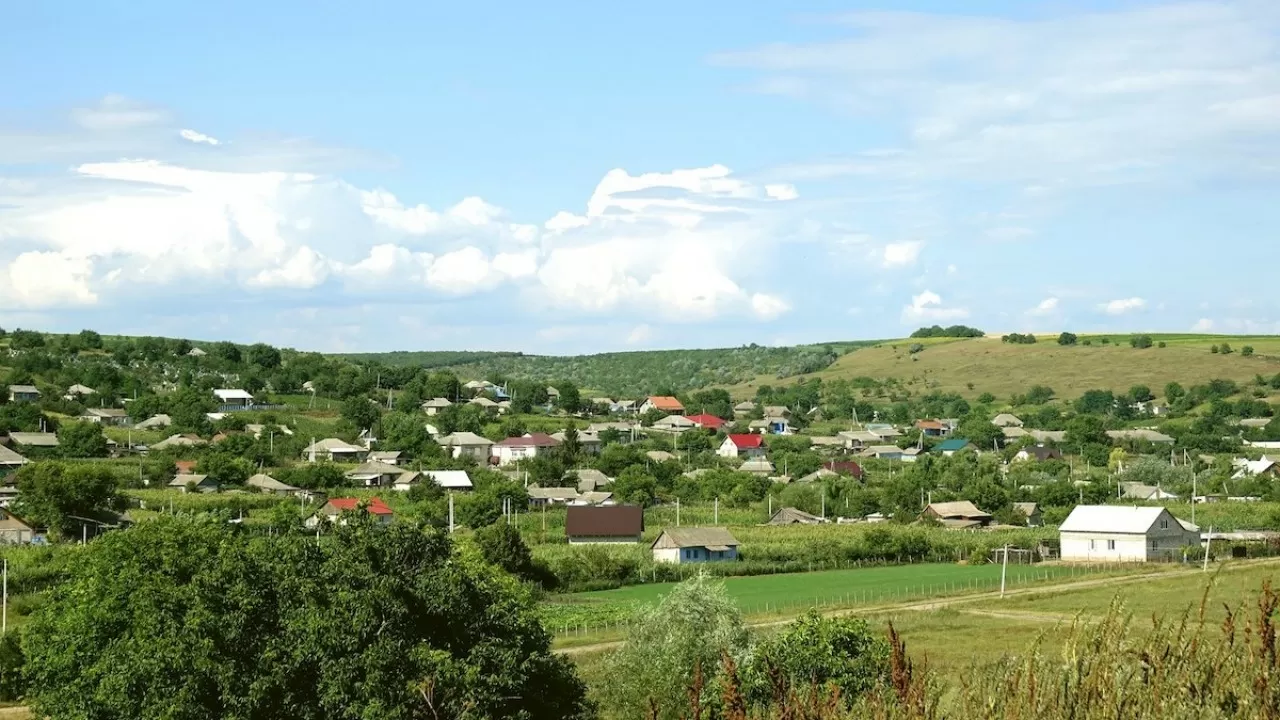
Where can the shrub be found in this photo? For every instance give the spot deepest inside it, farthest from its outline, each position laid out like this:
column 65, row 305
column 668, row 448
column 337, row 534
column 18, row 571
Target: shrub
column 1067, row 338
column 1213, row 349
column 1247, row 350
column 1141, row 342
column 817, row 653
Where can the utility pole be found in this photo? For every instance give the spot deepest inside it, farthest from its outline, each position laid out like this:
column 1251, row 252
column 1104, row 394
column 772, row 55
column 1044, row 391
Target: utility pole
column 716, row 511
column 4, row 603
column 677, row 512
column 1207, row 545
column 450, row 513
column 1004, row 569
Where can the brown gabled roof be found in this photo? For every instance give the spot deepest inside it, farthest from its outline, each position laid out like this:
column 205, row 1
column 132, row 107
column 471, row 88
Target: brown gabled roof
column 613, row 521
column 530, row 440
column 682, row 537
column 666, row 403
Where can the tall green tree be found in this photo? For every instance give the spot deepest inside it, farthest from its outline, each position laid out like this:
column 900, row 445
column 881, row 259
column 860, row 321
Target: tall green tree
column 81, row 440
column 360, row 412
column 817, row 654
column 183, row 618
column 54, row 494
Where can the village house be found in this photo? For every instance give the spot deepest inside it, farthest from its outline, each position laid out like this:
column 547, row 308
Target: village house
column 694, row 545
column 1116, row 533
column 951, row 446
column 540, row 496
column 33, row 439
column 13, row 531
column 933, row 428
column 155, row 422
column 593, row 498
column 882, row 452
column 374, row 474
column 1251, row 468
column 659, row 455
column 435, row 405
column 588, row 440
column 1004, row 420
column 78, row 391
column 1038, row 453
column 792, row 516
column 483, row 402
column 743, row 409
column 457, row 480
column 332, row 511
column 859, row 439
column 605, row 524
column 884, row 431
column 674, row 423
column 664, row 403
column 780, row 411
column 271, row 486
column 959, row 515
column 23, row 393
column 746, row 446
column 623, row 407
column 105, row 416
column 10, row 461
column 709, row 422
column 1144, row 493
column 467, row 444
column 233, row 399
column 1031, row 512
column 775, row 425
column 194, row 483
column 626, row 430
column 757, row 466
column 590, row 479
column 844, row 467
column 816, row 475
column 333, row 450
column 187, row 440
column 521, row 448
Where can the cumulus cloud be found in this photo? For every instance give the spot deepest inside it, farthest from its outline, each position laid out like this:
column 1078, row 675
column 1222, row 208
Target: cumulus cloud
column 197, row 137
column 1046, row 307
column 1123, row 306
column 1203, row 325
column 928, row 307
column 768, row 307
column 639, row 335
column 901, row 254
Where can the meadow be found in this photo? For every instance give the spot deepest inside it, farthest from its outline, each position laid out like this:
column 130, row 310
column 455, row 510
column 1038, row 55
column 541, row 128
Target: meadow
column 974, row 366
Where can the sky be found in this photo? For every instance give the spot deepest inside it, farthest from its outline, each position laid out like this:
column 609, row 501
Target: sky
column 570, row 177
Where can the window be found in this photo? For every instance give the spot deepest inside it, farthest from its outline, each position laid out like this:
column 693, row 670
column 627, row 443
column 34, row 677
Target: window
column 1111, row 544
column 1093, row 544
column 1164, row 523
column 1155, row 545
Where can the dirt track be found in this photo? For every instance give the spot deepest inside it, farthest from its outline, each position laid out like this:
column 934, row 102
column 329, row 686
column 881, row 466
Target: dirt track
column 925, row 605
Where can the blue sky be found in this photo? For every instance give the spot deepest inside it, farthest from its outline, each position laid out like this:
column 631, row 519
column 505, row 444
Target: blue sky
column 573, row 177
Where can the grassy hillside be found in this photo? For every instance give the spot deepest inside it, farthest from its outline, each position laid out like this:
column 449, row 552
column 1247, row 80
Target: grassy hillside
column 974, row 366
column 638, row 373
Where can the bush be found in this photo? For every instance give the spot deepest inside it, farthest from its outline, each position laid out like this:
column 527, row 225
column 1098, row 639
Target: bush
column 1141, row 342
column 1213, row 349
column 1067, row 338
column 817, row 654
column 1247, row 350
column 1162, row 344
column 1019, row 339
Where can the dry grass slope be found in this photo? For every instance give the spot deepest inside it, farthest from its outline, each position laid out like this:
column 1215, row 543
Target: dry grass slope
column 1004, row 369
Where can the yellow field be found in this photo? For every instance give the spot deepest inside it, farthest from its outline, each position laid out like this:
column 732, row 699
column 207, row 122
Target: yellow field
column 951, row 365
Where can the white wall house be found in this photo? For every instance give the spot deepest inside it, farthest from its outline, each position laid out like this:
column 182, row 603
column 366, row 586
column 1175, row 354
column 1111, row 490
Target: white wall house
column 233, row 398
column 1116, row 533
column 523, row 447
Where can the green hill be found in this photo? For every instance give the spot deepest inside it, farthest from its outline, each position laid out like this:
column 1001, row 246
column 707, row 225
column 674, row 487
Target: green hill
column 973, row 366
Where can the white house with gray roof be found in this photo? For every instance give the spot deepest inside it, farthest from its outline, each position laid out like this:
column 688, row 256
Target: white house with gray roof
column 1119, row 533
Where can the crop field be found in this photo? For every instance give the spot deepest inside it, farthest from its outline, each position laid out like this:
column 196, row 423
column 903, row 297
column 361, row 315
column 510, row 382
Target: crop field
column 791, row 593
column 974, row 366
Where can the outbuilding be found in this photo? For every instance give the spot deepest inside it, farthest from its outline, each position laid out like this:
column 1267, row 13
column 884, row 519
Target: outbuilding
column 695, row 545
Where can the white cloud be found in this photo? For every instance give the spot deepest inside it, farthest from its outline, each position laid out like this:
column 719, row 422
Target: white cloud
column 1203, row 325
column 48, row 279
column 768, row 307
column 1122, row 306
column 781, row 192
column 116, row 112
column 639, row 335
column 198, row 137
column 901, row 254
column 1046, row 307
column 928, row 307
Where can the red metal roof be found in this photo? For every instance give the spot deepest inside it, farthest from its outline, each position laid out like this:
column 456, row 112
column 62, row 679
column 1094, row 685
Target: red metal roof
column 376, row 506
column 851, row 468
column 707, row 421
column 530, row 440
column 747, row 441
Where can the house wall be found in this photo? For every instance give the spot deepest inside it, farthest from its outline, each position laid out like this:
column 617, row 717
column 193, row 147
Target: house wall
column 15, row 537
column 507, row 454
column 693, row 555
column 727, row 449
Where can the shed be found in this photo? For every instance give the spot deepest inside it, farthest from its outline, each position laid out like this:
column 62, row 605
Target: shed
column 14, row 531
column 792, row 516
column 268, row 484
column 958, row 514
column 1031, row 511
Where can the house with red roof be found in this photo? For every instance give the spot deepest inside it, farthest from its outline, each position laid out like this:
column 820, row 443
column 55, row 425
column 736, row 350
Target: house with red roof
column 844, row 467
column 665, row 403
column 749, row 445
column 519, row 448
column 332, row 511
column 710, row 422
column 933, row 428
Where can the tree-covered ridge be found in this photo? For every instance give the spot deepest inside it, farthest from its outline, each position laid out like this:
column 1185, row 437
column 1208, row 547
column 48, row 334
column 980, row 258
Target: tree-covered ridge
column 431, row 358
column 642, row 372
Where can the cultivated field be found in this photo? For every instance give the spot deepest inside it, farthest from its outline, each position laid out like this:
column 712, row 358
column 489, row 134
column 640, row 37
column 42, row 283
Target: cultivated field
column 989, row 365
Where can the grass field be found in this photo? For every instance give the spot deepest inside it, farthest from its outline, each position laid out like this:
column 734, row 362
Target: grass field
column 1002, row 369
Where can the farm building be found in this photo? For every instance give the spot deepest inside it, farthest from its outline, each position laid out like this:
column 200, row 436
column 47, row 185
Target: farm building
column 1031, row 511
column 469, row 444
column 194, row 483
column 1111, row 533
column 694, row 545
column 374, row 474
column 13, row 531
column 540, row 496
column 267, row 484
column 952, row 446
column 609, row 524
column 332, row 449
column 961, row 514
column 1039, row 453
column 1004, row 420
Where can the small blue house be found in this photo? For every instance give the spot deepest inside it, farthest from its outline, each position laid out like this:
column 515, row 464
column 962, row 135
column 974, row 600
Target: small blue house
column 695, row 545
column 952, row 446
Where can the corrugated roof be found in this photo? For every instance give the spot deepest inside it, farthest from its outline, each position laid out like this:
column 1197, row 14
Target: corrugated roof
column 530, row 440
column 1114, row 519
column 747, row 441
column 610, row 521
column 34, row 439
column 666, row 403
column 375, row 468
column 684, row 537
column 9, row 457
column 962, row 509
column 376, row 506
column 463, row 439
column 450, row 479
column 266, row 482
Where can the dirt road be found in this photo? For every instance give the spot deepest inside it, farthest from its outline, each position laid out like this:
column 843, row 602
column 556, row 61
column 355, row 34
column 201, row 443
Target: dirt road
column 925, row 605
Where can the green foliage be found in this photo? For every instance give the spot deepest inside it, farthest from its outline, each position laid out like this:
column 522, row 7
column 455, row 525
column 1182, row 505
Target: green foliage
column 54, row 494
column 379, row 622
column 1141, row 342
column 635, row 486
column 501, row 545
column 225, row 468
column 954, row 331
column 668, row 644
column 12, row 684
column 1067, row 338
column 986, row 398
column 1019, row 339
column 1247, row 350
column 407, row 432
column 81, row 440
column 361, row 413
column 817, row 653
column 1096, row 402
column 1225, row 349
